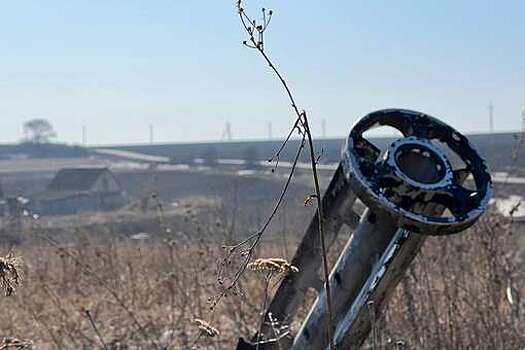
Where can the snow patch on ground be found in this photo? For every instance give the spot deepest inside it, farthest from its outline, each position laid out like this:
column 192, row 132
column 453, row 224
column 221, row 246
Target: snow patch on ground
column 512, row 203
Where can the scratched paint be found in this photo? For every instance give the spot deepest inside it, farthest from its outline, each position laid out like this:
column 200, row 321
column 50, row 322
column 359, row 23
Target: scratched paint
column 365, row 169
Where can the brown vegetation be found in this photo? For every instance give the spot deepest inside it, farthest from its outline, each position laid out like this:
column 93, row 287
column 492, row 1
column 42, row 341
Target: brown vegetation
column 461, row 293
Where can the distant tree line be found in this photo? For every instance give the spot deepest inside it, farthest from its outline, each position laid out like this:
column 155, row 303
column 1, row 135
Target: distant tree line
column 38, row 131
column 38, row 134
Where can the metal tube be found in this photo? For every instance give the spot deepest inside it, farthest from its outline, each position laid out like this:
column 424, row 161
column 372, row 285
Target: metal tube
column 355, row 326
column 338, row 201
column 355, row 265
column 353, row 329
column 370, row 266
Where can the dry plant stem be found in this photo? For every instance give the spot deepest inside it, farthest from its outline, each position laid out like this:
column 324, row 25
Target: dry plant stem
column 92, row 322
column 28, row 308
column 463, row 264
column 251, row 27
column 114, row 294
column 371, row 310
column 55, row 300
column 260, row 48
column 102, row 283
column 195, row 341
column 277, row 154
column 276, row 333
column 10, row 274
column 268, row 277
column 326, row 272
column 257, row 236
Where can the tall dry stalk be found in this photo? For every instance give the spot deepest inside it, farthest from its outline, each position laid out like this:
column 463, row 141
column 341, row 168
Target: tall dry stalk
column 256, row 31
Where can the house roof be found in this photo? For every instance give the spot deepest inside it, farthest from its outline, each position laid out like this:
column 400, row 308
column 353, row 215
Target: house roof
column 75, row 179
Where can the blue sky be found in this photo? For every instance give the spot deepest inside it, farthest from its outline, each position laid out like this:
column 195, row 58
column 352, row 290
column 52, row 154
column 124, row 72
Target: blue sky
column 117, row 66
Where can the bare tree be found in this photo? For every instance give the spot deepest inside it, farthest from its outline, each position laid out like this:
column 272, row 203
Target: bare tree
column 39, row 131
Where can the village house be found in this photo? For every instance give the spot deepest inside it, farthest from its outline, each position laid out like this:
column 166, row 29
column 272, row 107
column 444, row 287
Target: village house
column 79, row 189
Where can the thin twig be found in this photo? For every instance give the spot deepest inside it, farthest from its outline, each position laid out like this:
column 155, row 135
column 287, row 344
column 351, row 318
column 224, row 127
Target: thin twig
column 326, row 272
column 251, row 27
column 92, row 321
column 268, row 277
column 256, row 237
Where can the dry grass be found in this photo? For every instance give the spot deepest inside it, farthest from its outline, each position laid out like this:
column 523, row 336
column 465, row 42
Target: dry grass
column 156, row 295
column 10, row 273
column 456, row 294
column 273, row 265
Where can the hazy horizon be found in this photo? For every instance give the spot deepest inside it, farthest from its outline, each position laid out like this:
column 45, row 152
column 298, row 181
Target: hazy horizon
column 117, row 67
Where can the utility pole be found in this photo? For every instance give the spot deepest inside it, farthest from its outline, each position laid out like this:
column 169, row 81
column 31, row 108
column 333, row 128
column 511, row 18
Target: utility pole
column 151, row 133
column 84, row 136
column 270, row 136
column 323, row 128
column 228, row 131
column 491, row 117
column 227, row 134
column 523, row 122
